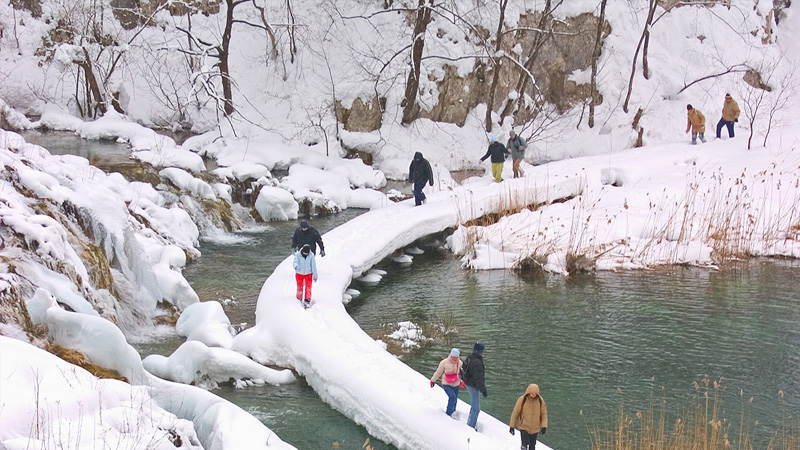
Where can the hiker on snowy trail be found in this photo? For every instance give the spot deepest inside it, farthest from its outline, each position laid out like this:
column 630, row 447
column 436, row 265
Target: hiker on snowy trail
column 529, row 417
column 473, row 374
column 451, row 380
column 305, row 267
column 307, row 235
column 498, row 153
column 420, row 173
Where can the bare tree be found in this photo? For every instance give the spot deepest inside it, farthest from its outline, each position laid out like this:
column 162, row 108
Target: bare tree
column 543, row 34
column 645, row 35
column 595, row 58
column 496, row 62
column 764, row 94
column 409, row 103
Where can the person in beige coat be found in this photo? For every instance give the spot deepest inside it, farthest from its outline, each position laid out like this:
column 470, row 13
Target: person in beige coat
column 730, row 114
column 449, row 369
column 696, row 123
column 529, row 417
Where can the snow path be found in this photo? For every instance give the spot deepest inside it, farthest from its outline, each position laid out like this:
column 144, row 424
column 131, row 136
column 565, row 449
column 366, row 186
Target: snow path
column 345, row 366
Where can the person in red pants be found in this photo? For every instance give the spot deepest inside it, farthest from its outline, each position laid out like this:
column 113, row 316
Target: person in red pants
column 305, row 267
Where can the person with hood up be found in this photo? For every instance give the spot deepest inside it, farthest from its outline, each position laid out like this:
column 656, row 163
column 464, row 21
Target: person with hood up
column 697, row 123
column 307, row 235
column 517, row 145
column 473, row 373
column 449, row 369
column 419, row 173
column 305, row 268
column 730, row 114
column 529, row 417
column 498, row 153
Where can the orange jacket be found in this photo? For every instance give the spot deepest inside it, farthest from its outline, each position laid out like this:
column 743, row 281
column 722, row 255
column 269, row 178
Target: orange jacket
column 730, row 110
column 530, row 414
column 697, row 121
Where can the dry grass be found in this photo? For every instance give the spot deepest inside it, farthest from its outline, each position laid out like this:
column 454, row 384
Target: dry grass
column 79, row 359
column 732, row 217
column 700, row 426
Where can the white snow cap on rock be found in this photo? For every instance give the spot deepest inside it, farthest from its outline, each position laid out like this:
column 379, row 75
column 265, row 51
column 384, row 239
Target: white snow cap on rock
column 275, row 203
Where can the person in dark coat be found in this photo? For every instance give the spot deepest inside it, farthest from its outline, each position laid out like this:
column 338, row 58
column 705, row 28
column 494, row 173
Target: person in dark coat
column 473, row 374
column 307, row 235
column 498, row 153
column 419, row 173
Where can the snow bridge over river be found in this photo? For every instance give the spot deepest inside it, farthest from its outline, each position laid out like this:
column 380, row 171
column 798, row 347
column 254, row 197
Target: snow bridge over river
column 345, row 366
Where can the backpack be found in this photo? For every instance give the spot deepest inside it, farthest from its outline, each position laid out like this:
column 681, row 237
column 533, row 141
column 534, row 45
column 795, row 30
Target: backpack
column 464, row 372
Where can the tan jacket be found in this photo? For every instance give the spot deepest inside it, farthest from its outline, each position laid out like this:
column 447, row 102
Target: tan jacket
column 529, row 414
column 697, row 121
column 730, row 110
column 447, row 366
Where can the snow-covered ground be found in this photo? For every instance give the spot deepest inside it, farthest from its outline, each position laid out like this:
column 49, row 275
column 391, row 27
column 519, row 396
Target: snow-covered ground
column 665, row 203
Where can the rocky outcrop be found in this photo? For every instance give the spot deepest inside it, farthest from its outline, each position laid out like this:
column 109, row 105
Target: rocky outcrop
column 569, row 50
column 360, row 116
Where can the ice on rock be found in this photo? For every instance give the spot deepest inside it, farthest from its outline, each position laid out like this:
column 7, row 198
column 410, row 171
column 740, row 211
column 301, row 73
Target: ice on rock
column 206, row 322
column 195, row 363
column 276, row 204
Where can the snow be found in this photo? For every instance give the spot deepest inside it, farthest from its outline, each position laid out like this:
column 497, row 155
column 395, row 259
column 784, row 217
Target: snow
column 666, row 203
column 48, row 402
column 196, row 363
column 274, row 203
column 206, row 322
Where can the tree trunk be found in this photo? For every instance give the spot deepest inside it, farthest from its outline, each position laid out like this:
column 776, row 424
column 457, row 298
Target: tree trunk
column 595, row 57
column 496, row 71
column 91, row 81
column 645, row 31
column 223, row 50
column 650, row 14
column 541, row 39
column 410, row 107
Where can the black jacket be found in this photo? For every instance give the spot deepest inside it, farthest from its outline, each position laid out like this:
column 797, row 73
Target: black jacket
column 310, row 236
column 497, row 151
column 473, row 373
column 420, row 170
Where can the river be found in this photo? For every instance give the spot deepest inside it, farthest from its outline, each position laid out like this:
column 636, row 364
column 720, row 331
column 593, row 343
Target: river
column 593, row 342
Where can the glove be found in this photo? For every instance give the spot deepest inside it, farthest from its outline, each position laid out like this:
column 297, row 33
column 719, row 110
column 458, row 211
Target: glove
column 463, row 386
column 433, row 383
column 485, row 394
column 735, row 120
column 511, row 430
column 543, row 430
column 315, row 279
column 321, row 253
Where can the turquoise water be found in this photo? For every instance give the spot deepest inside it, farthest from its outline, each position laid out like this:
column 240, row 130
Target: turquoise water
column 592, row 342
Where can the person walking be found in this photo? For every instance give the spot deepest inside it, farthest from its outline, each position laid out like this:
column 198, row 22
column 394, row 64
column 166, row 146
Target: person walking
column 473, row 373
column 449, row 369
column 697, row 123
column 498, row 153
column 517, row 145
column 529, row 417
column 307, row 235
column 730, row 114
column 419, row 173
column 305, row 268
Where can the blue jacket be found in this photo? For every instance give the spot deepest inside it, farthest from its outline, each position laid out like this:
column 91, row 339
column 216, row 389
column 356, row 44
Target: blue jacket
column 305, row 265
